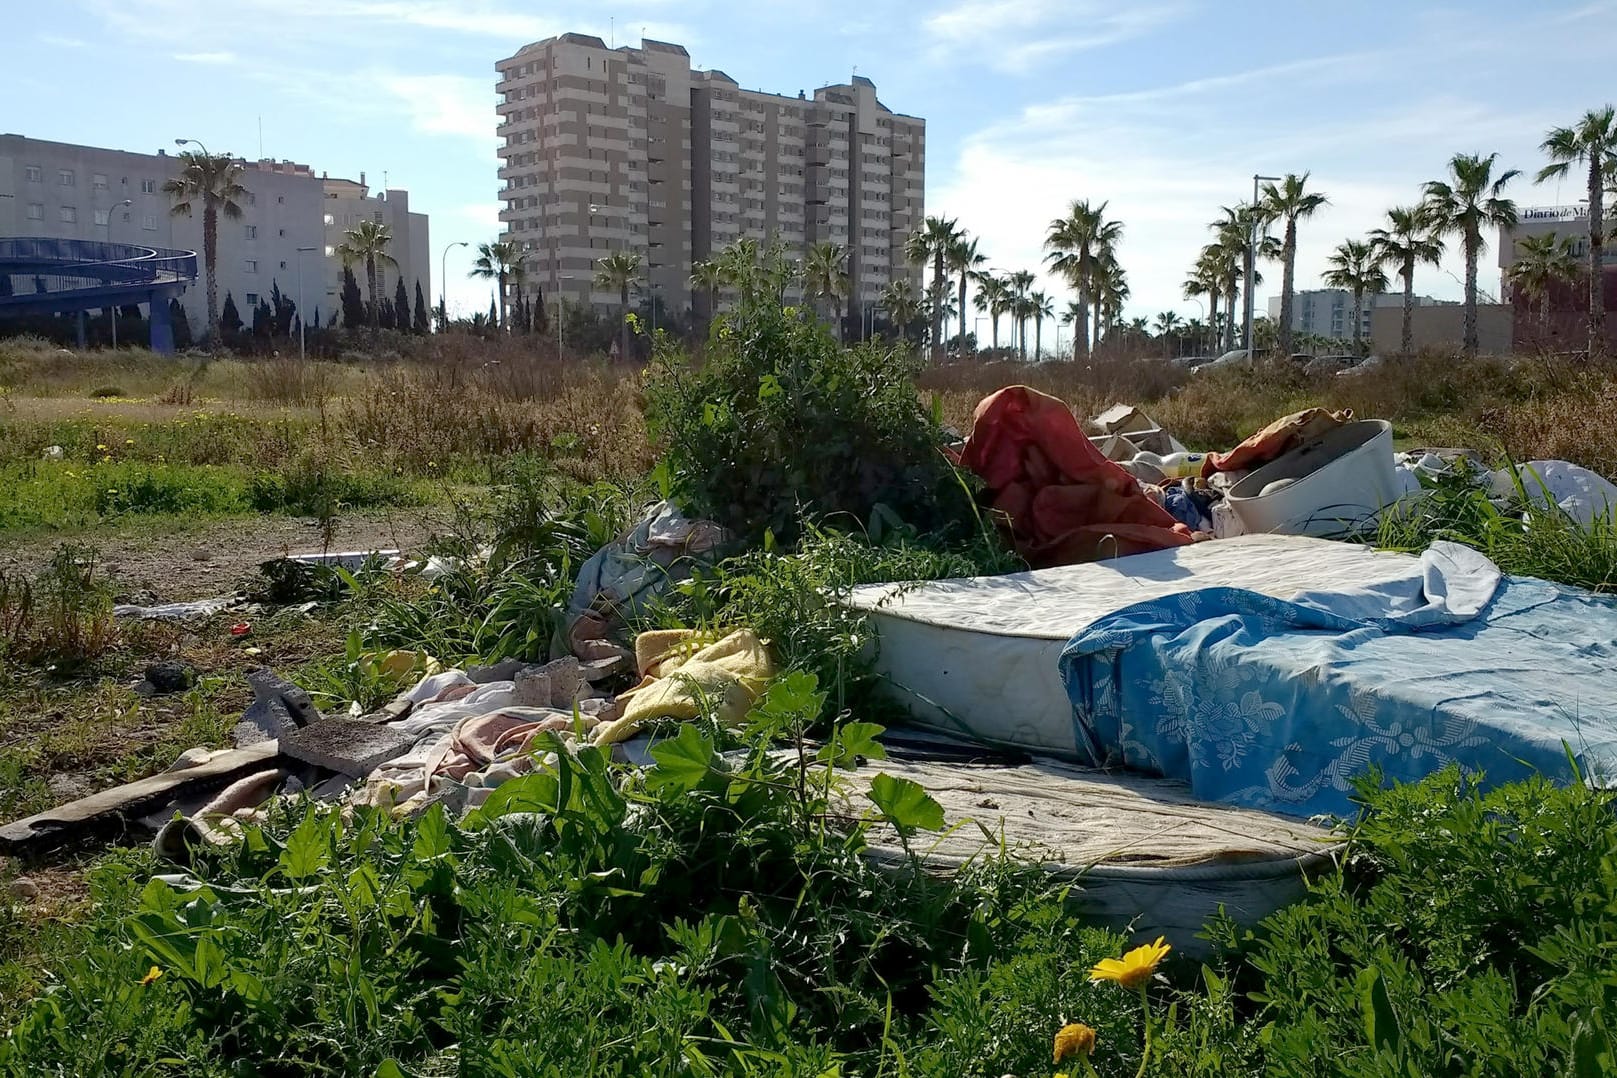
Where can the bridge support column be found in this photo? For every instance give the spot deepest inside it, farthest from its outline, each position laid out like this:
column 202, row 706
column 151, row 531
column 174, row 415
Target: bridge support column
column 78, row 327
column 162, row 326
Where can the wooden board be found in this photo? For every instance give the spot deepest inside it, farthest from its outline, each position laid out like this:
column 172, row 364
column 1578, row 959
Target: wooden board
column 109, row 810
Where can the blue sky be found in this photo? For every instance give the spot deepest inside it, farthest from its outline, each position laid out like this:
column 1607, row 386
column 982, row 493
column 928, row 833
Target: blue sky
column 1164, row 108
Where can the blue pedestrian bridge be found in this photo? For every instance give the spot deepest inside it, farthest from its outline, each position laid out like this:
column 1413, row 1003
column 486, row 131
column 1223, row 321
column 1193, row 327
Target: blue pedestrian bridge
column 40, row 276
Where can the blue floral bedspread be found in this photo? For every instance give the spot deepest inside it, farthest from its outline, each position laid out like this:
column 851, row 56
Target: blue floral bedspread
column 1279, row 705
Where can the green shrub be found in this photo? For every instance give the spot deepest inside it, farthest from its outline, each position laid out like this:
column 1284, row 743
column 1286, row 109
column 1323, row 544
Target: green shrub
column 103, row 392
column 781, row 422
column 320, row 490
column 158, row 488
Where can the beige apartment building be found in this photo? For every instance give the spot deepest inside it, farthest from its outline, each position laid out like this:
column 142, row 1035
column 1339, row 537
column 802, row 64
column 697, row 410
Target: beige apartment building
column 290, row 213
column 609, row 149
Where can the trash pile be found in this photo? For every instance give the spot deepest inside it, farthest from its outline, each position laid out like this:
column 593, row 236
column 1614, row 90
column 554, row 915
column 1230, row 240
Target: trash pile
column 456, row 734
column 1127, row 486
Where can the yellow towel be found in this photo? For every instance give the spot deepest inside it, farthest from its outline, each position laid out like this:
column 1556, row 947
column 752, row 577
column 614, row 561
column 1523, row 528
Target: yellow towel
column 681, row 667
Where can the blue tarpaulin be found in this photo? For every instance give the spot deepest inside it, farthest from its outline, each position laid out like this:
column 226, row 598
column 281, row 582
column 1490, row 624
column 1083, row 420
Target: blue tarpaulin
column 1279, row 705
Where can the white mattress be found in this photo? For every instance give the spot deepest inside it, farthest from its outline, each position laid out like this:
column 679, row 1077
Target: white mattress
column 978, row 656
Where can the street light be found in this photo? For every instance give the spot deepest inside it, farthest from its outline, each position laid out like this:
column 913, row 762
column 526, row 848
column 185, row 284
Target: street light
column 1251, row 254
column 443, row 286
column 194, row 142
column 303, row 315
column 110, row 212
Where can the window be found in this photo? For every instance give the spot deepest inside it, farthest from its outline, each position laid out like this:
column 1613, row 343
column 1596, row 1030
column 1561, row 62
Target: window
column 99, row 181
column 103, row 217
column 252, row 232
column 149, row 222
column 252, row 199
column 33, row 174
column 148, row 187
column 330, row 220
column 281, row 199
column 283, row 265
column 281, row 232
column 36, row 211
column 252, row 299
column 330, row 250
column 70, row 215
column 64, row 176
column 252, row 265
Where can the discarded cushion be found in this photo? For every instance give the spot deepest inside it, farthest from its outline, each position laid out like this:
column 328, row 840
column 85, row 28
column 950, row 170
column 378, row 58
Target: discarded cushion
column 1066, row 502
column 686, row 672
column 1278, row 438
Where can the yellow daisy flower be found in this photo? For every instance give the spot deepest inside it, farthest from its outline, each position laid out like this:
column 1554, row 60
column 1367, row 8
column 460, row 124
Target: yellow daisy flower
column 151, row 975
column 1133, row 969
column 1074, row 1039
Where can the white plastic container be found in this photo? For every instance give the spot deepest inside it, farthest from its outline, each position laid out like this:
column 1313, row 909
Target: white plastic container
column 1327, row 489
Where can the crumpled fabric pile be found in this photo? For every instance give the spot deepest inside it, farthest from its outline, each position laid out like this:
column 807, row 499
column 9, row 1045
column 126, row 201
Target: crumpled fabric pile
column 1065, row 501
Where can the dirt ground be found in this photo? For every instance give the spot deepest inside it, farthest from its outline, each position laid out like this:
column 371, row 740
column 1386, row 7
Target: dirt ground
column 203, row 559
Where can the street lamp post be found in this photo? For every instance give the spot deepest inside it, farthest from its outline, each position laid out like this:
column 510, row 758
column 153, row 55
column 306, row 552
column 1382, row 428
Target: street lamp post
column 115, row 208
column 193, row 142
column 303, row 315
column 1251, row 255
column 443, row 285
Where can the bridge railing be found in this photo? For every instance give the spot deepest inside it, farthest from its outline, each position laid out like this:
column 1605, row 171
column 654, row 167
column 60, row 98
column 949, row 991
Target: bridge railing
column 38, row 266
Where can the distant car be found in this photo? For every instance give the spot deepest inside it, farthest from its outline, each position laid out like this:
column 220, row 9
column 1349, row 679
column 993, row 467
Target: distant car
column 1190, row 362
column 1369, row 363
column 1228, row 359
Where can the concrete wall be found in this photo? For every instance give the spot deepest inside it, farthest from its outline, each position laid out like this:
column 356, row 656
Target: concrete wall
column 1442, row 327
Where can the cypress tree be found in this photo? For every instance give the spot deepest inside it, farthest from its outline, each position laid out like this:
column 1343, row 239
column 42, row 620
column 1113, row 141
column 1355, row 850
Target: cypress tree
column 421, row 326
column 401, row 305
column 230, row 317
column 353, row 304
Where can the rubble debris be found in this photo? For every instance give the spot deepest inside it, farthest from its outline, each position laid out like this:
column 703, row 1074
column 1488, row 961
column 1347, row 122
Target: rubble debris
column 169, row 676
column 278, row 708
column 349, row 746
column 196, row 608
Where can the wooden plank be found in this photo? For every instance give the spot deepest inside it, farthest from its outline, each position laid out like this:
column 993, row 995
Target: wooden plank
column 110, row 810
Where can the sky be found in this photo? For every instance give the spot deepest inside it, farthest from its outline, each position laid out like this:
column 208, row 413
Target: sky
column 1163, row 109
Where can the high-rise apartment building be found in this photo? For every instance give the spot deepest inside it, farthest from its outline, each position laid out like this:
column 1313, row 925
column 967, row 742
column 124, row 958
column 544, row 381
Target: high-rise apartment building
column 291, row 223
column 632, row 149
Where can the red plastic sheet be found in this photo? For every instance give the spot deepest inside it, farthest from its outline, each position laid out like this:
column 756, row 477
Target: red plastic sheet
column 1066, row 502
column 1279, row 437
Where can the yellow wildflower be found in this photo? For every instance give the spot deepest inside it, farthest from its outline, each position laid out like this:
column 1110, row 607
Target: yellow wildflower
column 129, row 441
column 1074, row 1039
column 100, row 448
column 1133, row 969
column 151, row 975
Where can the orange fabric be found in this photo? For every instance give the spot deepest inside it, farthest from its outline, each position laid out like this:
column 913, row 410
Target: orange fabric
column 1278, row 438
column 1066, row 502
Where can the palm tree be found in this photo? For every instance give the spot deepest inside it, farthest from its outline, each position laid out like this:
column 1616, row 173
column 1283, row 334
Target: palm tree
column 901, row 303
column 1356, row 266
column 216, row 182
column 1076, row 243
column 825, row 276
column 1018, row 284
column 707, row 276
column 1233, row 234
column 932, row 240
column 963, row 258
column 1289, row 201
column 991, row 297
column 1408, row 240
column 1469, row 201
column 1111, row 292
column 1167, row 325
column 1076, row 314
column 367, row 243
column 1039, row 308
column 1542, row 262
column 1205, row 280
column 498, row 261
column 619, row 270
column 1593, row 144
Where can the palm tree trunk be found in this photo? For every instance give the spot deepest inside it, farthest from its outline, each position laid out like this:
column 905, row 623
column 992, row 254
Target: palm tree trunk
column 1229, row 328
column 502, row 300
column 623, row 321
column 1597, row 241
column 1544, row 319
column 836, row 307
column 1094, row 328
column 1471, row 344
column 1288, row 281
column 1407, row 343
column 1038, row 337
column 1358, row 321
column 993, row 320
column 962, row 313
column 1080, row 325
column 1212, row 315
column 1021, row 330
column 210, row 255
column 937, row 305
column 370, row 281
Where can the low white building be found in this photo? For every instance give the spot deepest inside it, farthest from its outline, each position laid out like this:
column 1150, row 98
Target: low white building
column 64, row 191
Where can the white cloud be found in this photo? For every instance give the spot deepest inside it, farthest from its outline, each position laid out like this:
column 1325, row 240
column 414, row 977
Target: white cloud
column 63, row 42
column 455, row 105
column 1013, row 35
column 223, row 56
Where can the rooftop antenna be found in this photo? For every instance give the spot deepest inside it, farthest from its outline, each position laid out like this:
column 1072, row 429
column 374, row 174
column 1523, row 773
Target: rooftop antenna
column 612, row 31
column 260, row 136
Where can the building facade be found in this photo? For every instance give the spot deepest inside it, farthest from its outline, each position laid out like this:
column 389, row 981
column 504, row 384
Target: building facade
column 631, row 149
column 1328, row 312
column 65, row 191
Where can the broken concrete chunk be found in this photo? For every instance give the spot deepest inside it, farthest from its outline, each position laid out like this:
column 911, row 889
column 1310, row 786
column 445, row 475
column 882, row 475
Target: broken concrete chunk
column 347, row 746
column 504, row 670
column 556, row 684
column 600, row 669
column 278, row 708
